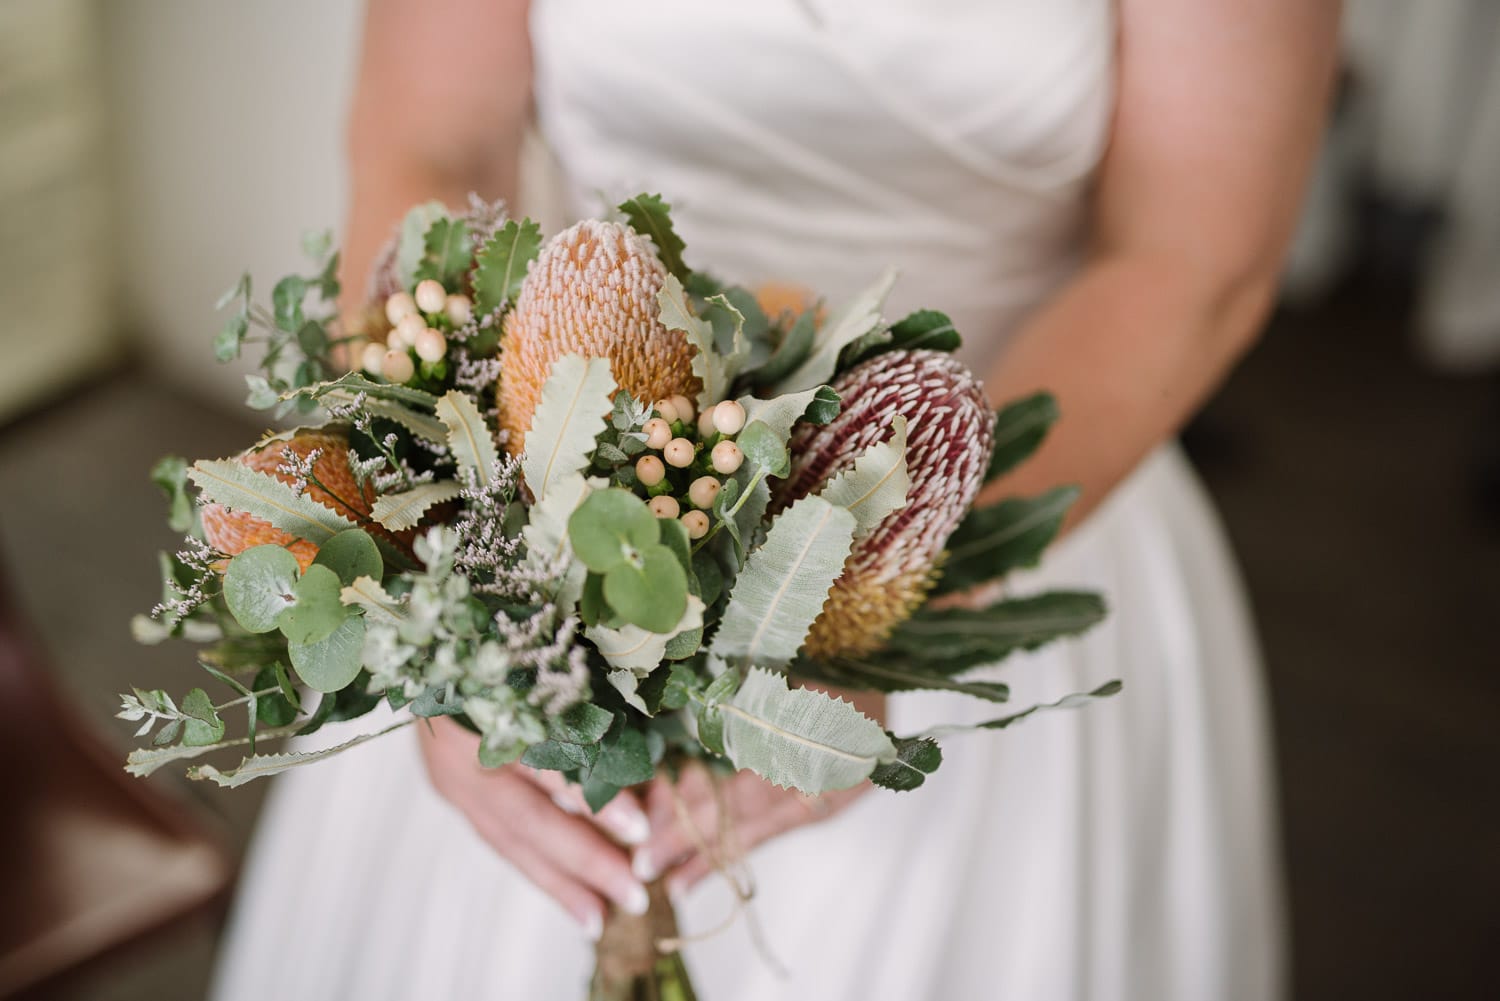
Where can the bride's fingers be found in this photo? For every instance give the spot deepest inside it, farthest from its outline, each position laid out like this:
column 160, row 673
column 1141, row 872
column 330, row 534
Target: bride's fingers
column 585, row 906
column 623, row 816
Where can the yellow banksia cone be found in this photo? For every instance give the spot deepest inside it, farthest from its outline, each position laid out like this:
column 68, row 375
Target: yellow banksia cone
column 232, row 532
column 950, row 434
column 592, row 291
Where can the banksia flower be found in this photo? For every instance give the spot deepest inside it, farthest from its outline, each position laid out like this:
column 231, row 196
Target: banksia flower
column 592, row 291
column 950, row 435
column 232, row 532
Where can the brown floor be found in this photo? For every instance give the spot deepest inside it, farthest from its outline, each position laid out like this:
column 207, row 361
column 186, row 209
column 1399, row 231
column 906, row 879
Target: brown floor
column 1341, row 471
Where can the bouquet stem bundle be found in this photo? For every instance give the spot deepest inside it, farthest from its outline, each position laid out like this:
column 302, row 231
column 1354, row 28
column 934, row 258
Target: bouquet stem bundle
column 636, row 958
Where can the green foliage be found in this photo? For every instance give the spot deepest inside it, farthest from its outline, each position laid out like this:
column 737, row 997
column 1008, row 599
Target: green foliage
column 795, row 346
column 470, row 439
column 953, row 639
column 924, row 330
column 1073, row 701
column 856, row 319
column 316, row 610
column 573, row 410
column 613, row 533
column 231, row 336
column 333, row 662
column 876, row 485
column 608, row 526
column 241, row 488
column 716, row 371
column 650, row 216
column 202, row 723
column 992, row 541
column 351, row 555
column 888, row 673
column 447, row 253
column 411, row 239
column 916, row 758
column 649, row 591
column 501, row 264
column 1019, row 429
column 170, row 474
column 764, row 449
column 263, row 765
column 259, row 585
column 281, row 706
column 401, row 511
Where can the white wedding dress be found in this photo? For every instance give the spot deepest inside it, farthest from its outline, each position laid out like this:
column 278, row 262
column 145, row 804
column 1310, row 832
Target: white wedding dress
column 1123, row 851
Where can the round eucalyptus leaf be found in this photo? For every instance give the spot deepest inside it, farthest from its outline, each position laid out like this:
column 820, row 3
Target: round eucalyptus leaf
column 332, row 662
column 652, row 595
column 351, row 554
column 317, row 610
column 259, row 585
column 608, row 526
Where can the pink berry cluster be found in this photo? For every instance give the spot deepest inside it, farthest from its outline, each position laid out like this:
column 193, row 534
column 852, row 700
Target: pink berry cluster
column 688, row 456
column 417, row 341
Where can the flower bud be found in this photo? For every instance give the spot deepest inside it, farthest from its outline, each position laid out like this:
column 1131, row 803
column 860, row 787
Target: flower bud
column 703, row 491
column 696, row 523
column 666, row 410
column 458, row 309
column 664, row 506
column 649, row 470
column 397, row 366
column 372, row 358
column 729, row 417
column 404, row 334
column 685, row 411
column 658, row 433
column 679, row 452
column 706, row 429
column 431, row 345
column 431, row 296
column 399, row 304
column 726, row 457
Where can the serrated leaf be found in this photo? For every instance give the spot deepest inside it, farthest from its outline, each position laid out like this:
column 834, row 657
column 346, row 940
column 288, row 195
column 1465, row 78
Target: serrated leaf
column 854, row 320
column 783, row 584
column 628, row 683
column 1020, row 428
column 624, row 760
column 399, row 512
column 651, row 217
column 259, row 766
column 712, row 369
column 882, row 673
column 351, row 384
column 992, row 541
column 800, row 738
column 916, row 758
column 1073, row 701
column 332, row 662
column 635, row 649
column 470, row 439
column 924, row 330
column 379, row 605
column 411, row 239
column 447, row 251
column 782, row 412
column 574, row 409
column 502, row 262
column 955, row 639
column 581, row 723
column 877, row 483
column 241, row 488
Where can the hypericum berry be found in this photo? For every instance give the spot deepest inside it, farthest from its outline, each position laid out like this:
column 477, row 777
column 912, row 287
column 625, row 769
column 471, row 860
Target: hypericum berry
column 679, row 452
column 431, row 296
column 649, row 470
column 658, row 433
column 729, row 417
column 459, row 309
column 706, row 427
column 397, row 366
column 372, row 358
column 726, row 457
column 666, row 410
column 404, row 334
column 398, row 305
column 684, row 407
column 431, row 345
column 664, row 506
column 703, row 490
column 696, row 523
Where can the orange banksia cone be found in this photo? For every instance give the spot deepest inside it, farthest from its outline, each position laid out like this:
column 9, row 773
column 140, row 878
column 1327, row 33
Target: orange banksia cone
column 949, row 438
column 592, row 291
column 232, row 532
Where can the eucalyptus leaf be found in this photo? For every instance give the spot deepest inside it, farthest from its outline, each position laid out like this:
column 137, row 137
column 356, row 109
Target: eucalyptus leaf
column 609, row 526
column 783, row 584
column 764, row 449
column 876, row 485
column 231, row 336
column 259, row 584
column 401, row 511
column 470, row 439
column 573, row 410
column 624, row 759
column 334, row 661
column 351, row 555
column 202, row 725
column 170, row 474
column 651, row 592
column 799, row 738
column 317, row 610
column 241, row 488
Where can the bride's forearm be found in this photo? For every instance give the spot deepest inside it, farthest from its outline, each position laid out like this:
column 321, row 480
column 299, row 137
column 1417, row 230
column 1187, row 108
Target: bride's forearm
column 1130, row 348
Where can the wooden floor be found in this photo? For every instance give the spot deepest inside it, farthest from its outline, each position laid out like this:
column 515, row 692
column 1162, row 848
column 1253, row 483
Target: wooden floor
column 1342, row 472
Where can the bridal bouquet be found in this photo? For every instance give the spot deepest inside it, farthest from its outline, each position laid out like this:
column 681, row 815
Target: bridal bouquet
column 599, row 509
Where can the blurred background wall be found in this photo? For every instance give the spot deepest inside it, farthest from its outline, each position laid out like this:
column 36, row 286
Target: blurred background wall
column 151, row 150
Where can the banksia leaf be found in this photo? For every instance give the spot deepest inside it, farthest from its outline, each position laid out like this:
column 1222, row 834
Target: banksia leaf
column 593, row 292
column 233, row 531
column 949, row 426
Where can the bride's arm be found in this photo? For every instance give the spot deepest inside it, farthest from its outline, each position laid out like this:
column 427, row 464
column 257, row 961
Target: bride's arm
column 1219, row 109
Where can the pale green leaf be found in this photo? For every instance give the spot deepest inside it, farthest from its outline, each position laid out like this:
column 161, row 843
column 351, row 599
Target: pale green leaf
column 575, row 404
column 351, row 555
column 259, row 585
column 333, row 661
column 351, row 384
column 711, row 368
column 398, row 512
column 854, row 320
column 470, row 439
column 143, row 761
column 546, row 536
column 783, row 584
column 379, row 605
column 259, row 766
column 1073, row 701
column 876, row 484
column 633, row 648
column 627, row 683
column 411, row 241
column 241, row 488
column 799, row 738
column 780, row 413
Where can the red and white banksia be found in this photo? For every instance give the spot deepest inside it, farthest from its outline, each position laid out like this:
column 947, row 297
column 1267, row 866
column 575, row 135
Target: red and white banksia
column 592, row 291
column 949, row 439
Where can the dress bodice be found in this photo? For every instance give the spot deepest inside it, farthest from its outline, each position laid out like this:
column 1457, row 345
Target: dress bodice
column 819, row 141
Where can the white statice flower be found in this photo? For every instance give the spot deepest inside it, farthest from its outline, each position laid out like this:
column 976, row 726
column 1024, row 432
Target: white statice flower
column 504, row 719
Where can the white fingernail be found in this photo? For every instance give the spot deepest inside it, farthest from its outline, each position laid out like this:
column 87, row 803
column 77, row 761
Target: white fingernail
column 632, row 827
column 565, row 804
column 643, row 867
column 636, row 901
column 593, row 926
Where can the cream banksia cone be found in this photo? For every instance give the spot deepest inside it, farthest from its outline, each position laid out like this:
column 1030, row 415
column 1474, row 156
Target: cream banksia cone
column 592, row 291
column 950, row 435
column 232, row 532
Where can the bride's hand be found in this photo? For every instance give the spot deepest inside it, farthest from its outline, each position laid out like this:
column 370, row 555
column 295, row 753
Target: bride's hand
column 687, row 817
column 541, row 825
